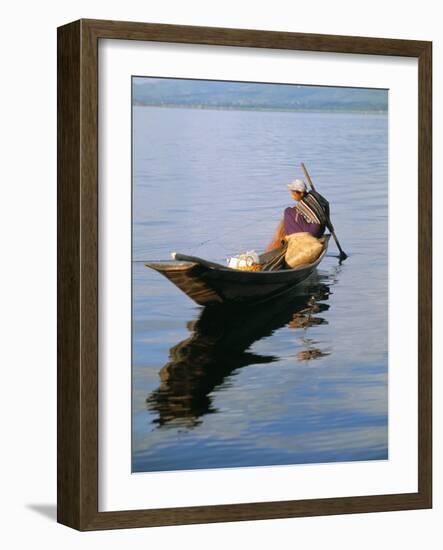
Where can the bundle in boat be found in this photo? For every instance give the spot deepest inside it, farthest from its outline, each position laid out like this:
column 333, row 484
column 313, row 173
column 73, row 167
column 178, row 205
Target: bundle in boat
column 302, row 249
column 247, row 261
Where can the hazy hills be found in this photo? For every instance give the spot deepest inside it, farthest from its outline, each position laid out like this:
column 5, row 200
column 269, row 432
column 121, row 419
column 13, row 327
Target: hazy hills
column 238, row 95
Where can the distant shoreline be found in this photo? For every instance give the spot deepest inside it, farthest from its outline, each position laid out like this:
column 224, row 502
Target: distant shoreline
column 253, row 108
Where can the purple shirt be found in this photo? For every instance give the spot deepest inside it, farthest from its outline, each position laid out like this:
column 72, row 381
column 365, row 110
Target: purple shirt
column 294, row 222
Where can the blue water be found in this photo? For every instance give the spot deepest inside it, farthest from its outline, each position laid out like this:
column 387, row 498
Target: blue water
column 304, row 380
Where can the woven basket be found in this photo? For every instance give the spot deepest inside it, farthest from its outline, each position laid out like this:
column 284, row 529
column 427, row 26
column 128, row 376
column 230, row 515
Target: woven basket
column 256, row 267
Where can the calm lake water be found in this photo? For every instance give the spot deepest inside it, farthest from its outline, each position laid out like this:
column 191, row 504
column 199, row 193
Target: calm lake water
column 301, row 380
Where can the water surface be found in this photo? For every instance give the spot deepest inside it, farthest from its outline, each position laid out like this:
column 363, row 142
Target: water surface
column 301, row 380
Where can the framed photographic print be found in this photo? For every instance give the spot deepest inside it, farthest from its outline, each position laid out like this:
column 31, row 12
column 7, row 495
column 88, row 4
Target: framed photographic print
column 244, row 274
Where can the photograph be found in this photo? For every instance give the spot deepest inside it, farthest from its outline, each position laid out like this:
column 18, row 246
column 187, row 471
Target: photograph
column 259, row 274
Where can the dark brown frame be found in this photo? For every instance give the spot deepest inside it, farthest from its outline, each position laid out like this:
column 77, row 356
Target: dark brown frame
column 77, row 457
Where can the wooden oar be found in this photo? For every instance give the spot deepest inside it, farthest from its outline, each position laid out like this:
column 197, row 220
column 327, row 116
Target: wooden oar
column 343, row 254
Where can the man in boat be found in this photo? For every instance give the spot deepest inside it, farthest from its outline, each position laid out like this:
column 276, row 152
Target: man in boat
column 309, row 214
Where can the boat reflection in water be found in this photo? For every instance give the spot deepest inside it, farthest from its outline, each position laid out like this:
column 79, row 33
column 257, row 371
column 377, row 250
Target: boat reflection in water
column 218, row 346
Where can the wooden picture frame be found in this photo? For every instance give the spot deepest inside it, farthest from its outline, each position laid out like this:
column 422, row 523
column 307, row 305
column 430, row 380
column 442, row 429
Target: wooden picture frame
column 78, row 274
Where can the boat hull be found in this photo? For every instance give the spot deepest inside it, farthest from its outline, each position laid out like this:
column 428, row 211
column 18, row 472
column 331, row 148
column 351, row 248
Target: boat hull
column 211, row 284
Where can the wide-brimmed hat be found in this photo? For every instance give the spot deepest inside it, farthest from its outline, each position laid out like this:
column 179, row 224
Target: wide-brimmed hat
column 297, row 185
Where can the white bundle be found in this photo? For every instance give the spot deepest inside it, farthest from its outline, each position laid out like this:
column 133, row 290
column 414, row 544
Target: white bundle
column 246, row 259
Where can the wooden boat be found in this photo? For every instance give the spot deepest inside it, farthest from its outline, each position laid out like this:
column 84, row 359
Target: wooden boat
column 210, row 283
